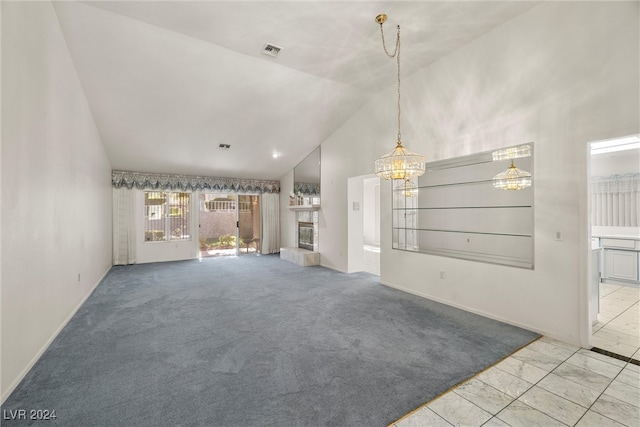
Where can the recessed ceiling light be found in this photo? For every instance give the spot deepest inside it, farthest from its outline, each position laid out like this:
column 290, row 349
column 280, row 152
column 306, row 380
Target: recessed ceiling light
column 275, row 155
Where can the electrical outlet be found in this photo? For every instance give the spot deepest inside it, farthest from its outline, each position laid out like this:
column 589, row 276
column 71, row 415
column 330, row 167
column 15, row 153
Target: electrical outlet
column 442, row 274
column 78, row 277
column 558, row 235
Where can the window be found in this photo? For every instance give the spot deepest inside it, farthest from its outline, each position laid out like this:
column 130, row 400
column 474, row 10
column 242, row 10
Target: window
column 166, row 216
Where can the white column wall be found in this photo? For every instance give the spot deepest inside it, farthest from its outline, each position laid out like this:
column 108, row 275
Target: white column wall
column 371, row 210
column 56, row 189
column 373, row 133
column 288, row 225
column 560, row 75
column 355, row 223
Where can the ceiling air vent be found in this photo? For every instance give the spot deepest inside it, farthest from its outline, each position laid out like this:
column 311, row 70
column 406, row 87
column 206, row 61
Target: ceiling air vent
column 224, row 146
column 271, row 50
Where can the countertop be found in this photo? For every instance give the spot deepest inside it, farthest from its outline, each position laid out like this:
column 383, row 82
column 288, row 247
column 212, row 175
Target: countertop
column 616, row 236
column 596, row 241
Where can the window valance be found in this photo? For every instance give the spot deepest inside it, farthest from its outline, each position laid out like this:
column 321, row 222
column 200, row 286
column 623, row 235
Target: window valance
column 157, row 181
column 306, row 188
column 627, row 183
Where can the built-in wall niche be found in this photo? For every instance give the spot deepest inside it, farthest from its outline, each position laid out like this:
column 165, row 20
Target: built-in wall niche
column 306, row 180
column 454, row 210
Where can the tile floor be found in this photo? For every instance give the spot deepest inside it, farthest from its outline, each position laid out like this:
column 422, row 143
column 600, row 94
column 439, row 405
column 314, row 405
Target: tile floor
column 547, row 383
column 618, row 326
column 550, row 383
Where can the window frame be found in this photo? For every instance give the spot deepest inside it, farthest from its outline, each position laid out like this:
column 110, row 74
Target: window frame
column 167, row 211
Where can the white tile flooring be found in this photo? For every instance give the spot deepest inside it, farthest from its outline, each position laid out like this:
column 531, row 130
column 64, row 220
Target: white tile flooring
column 618, row 326
column 547, row 383
column 551, row 383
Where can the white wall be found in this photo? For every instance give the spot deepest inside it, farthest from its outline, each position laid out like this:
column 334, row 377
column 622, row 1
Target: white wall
column 374, row 130
column 355, row 223
column 363, row 209
column 56, row 189
column 371, row 211
column 560, row 75
column 617, row 163
column 288, row 226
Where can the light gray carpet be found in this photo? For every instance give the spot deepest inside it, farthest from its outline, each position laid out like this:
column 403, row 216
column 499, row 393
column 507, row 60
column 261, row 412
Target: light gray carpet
column 255, row 341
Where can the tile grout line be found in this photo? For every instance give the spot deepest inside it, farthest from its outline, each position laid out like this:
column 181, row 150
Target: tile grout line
column 548, row 373
column 535, row 384
column 599, row 395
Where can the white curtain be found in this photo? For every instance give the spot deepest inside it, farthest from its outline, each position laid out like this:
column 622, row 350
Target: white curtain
column 270, row 218
column 124, row 227
column 615, row 200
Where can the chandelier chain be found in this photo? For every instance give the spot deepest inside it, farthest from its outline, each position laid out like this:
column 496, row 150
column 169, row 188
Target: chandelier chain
column 399, row 163
column 395, row 54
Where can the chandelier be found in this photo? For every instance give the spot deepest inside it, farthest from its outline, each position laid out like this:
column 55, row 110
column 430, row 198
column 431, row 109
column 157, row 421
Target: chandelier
column 399, row 163
column 513, row 178
column 406, row 188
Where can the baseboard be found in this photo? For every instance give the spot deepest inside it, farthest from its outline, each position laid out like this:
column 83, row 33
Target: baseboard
column 46, row 345
column 474, row 311
column 330, row 267
column 620, row 283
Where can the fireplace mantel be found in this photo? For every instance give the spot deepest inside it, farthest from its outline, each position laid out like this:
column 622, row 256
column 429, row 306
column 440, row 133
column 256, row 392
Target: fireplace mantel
column 304, row 207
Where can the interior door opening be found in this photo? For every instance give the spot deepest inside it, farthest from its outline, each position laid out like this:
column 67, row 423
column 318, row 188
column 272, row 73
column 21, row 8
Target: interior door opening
column 614, row 282
column 363, row 217
column 229, row 224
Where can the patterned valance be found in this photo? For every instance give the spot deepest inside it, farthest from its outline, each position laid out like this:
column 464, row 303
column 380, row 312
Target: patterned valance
column 306, row 188
column 158, row 181
column 628, row 183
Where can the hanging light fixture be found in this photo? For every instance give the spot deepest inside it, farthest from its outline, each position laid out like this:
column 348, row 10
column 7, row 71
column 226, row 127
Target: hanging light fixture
column 512, row 179
column 399, row 163
column 406, row 188
column 512, row 152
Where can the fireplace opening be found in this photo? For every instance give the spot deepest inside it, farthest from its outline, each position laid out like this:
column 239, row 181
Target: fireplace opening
column 305, row 235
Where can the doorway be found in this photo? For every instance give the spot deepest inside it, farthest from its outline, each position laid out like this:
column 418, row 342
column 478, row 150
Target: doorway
column 229, row 224
column 614, row 286
column 364, row 224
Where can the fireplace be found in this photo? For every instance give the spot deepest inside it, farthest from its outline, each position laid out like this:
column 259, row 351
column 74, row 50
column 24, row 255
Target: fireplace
column 305, row 235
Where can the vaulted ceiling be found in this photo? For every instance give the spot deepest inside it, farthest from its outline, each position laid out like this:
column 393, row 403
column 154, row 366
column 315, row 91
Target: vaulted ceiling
column 169, row 81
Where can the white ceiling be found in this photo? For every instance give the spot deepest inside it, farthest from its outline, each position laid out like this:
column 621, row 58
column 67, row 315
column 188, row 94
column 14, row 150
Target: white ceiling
column 168, row 81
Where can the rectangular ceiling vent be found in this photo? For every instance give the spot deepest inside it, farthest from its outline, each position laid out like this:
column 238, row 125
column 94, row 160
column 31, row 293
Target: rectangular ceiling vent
column 271, row 50
column 224, row 146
